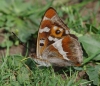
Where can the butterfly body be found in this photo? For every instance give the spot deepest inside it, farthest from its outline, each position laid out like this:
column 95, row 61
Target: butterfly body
column 55, row 45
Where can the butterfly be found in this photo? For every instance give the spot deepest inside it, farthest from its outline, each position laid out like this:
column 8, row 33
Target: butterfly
column 55, row 45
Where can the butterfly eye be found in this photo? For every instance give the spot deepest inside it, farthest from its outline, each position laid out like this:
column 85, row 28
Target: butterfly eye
column 58, row 31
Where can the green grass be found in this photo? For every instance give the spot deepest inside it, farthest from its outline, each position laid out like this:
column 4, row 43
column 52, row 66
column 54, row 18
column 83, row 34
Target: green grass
column 23, row 19
column 21, row 71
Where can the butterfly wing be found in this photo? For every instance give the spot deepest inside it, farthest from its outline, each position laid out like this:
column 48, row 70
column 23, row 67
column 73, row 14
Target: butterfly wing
column 51, row 29
column 64, row 52
column 55, row 44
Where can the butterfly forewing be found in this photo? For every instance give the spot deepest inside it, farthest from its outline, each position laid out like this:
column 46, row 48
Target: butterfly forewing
column 51, row 29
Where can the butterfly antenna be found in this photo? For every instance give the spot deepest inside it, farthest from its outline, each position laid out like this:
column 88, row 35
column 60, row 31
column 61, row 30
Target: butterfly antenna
column 20, row 40
column 32, row 54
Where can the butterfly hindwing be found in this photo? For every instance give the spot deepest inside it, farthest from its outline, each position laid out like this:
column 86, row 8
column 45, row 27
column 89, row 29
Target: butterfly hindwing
column 64, row 52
